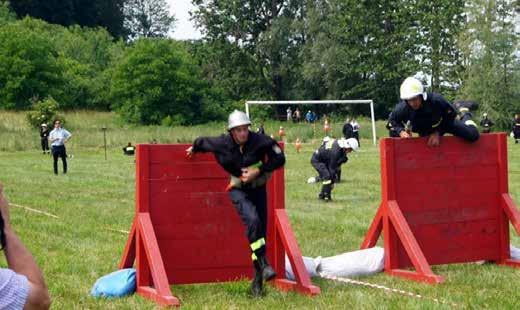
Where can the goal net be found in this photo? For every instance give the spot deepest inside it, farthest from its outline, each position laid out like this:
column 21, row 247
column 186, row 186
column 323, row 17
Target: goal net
column 311, row 102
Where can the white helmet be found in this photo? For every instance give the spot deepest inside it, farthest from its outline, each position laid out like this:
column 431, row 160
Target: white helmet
column 350, row 143
column 238, row 118
column 411, row 88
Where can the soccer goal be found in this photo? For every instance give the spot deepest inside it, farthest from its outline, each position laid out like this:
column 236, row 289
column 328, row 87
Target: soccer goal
column 309, row 102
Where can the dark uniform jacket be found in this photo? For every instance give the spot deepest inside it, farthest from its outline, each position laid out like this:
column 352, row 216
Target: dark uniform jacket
column 332, row 155
column 486, row 123
column 44, row 133
column 435, row 114
column 516, row 126
column 348, row 131
column 258, row 148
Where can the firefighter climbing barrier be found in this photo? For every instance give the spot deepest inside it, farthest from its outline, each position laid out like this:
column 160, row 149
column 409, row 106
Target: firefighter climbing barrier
column 185, row 229
column 443, row 205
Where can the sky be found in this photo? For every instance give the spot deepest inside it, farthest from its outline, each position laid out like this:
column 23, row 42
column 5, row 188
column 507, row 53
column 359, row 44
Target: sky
column 184, row 28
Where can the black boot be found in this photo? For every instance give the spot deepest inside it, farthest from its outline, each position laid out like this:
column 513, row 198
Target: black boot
column 327, row 191
column 257, row 283
column 267, row 271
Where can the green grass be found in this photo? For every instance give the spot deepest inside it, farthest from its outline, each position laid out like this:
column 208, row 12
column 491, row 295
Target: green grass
column 77, row 248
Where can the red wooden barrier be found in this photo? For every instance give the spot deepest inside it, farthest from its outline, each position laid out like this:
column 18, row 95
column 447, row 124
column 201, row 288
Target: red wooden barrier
column 186, row 230
column 443, row 205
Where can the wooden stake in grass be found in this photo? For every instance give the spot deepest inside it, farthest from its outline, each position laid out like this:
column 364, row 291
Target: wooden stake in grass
column 34, row 210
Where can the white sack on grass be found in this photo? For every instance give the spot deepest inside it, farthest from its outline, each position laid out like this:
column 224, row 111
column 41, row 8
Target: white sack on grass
column 349, row 264
column 311, row 265
column 515, row 252
column 357, row 263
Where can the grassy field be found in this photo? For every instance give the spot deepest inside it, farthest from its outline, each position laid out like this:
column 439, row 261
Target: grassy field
column 97, row 196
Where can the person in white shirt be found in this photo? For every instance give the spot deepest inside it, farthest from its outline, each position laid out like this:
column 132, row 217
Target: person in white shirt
column 289, row 114
column 58, row 137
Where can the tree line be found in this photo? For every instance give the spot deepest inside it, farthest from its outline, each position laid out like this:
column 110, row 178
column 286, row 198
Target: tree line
column 115, row 54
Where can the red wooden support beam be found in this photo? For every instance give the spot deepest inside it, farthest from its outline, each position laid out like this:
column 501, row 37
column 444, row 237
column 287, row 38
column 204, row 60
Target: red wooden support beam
column 128, row 258
column 303, row 281
column 374, row 231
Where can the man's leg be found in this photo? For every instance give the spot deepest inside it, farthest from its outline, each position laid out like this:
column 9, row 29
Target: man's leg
column 255, row 231
column 324, row 176
column 464, row 128
column 55, row 155
column 64, row 159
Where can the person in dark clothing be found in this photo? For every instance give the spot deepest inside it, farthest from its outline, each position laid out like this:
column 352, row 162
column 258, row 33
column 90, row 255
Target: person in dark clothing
column 327, row 160
column 348, row 130
column 129, row 149
column 44, row 137
column 249, row 158
column 486, row 123
column 430, row 115
column 516, row 128
column 261, row 129
column 391, row 127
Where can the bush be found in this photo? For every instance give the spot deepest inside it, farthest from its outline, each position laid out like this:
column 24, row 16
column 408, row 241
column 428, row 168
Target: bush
column 28, row 65
column 157, row 81
column 44, row 112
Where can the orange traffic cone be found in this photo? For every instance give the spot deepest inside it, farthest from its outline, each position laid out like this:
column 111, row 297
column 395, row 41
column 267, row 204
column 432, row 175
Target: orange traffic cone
column 326, row 127
column 298, row 145
column 281, row 133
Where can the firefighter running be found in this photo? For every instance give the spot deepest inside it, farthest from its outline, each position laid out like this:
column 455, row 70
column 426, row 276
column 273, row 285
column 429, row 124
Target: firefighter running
column 327, row 160
column 430, row 115
column 249, row 158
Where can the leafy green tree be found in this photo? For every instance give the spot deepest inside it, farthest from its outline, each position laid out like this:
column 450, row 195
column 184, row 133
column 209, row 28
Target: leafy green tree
column 491, row 51
column 359, row 50
column 262, row 29
column 148, row 18
column 6, row 15
column 156, row 80
column 90, row 13
column 439, row 24
column 28, row 66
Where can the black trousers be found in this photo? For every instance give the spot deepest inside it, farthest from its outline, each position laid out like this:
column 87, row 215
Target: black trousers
column 323, row 170
column 57, row 152
column 460, row 129
column 45, row 144
column 251, row 206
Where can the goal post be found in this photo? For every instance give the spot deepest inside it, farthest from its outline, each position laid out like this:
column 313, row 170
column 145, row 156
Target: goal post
column 309, row 102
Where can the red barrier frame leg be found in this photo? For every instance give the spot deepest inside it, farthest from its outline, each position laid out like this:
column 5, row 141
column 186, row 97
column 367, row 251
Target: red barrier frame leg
column 374, row 231
column 390, row 220
column 142, row 247
column 303, row 282
column 512, row 214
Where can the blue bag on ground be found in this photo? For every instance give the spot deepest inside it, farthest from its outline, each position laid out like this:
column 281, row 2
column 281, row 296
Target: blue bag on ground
column 116, row 284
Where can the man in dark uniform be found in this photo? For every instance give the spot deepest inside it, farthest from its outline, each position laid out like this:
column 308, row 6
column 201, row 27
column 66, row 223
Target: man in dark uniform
column 249, row 158
column 348, row 130
column 327, row 160
column 44, row 136
column 129, row 149
column 516, row 128
column 430, row 115
column 486, row 123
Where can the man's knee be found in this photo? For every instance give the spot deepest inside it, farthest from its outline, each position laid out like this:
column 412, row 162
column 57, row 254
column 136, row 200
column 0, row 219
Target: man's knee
column 472, row 133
